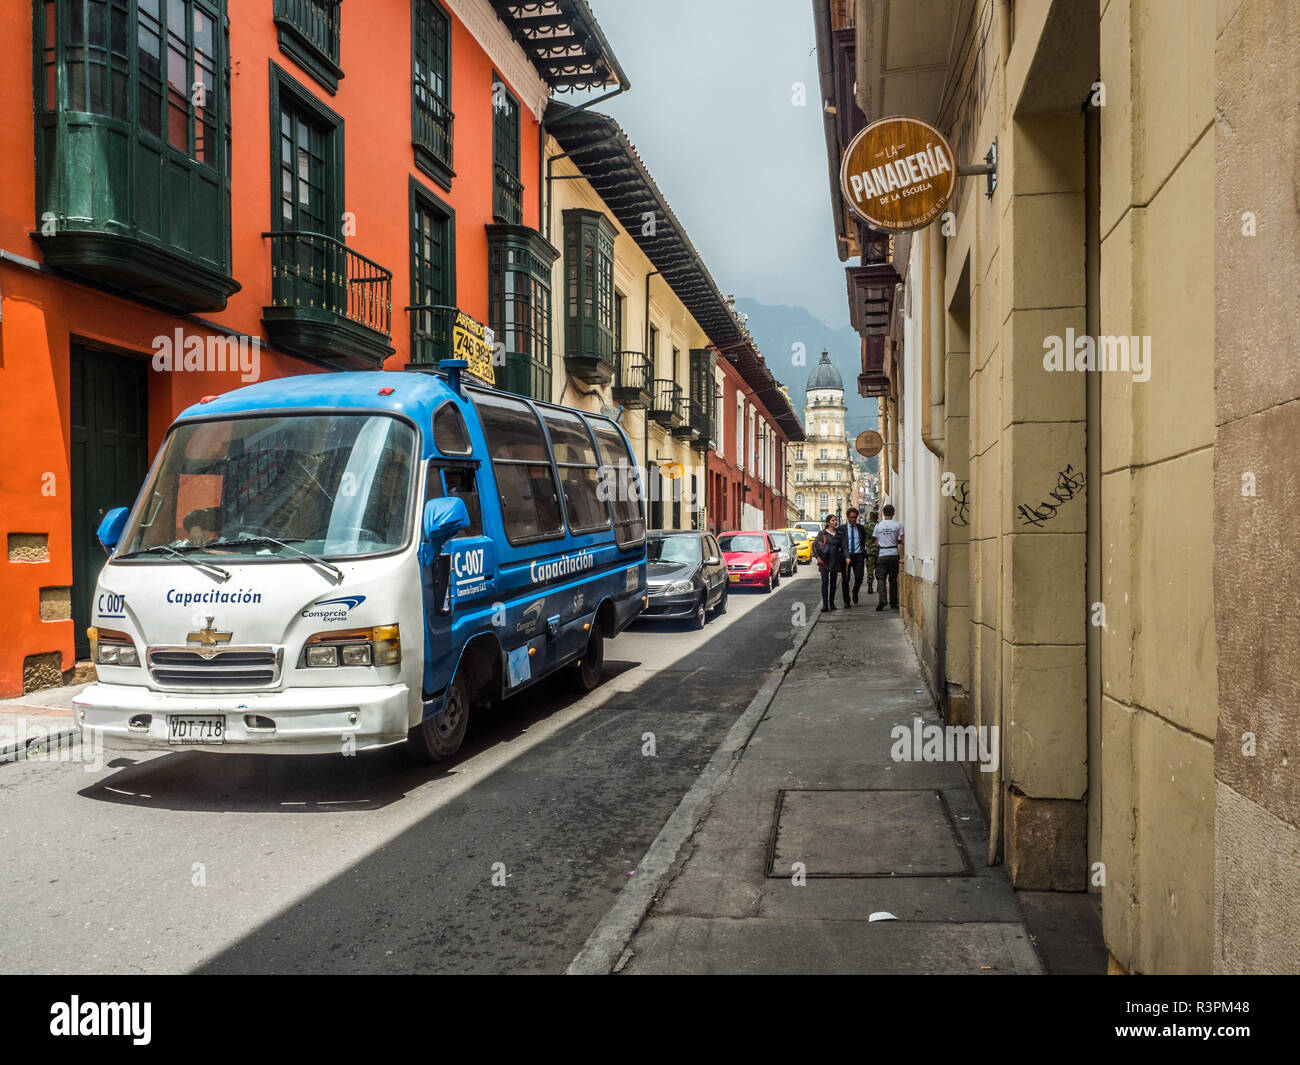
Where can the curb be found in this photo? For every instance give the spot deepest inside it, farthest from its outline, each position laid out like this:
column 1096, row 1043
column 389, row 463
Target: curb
column 607, row 942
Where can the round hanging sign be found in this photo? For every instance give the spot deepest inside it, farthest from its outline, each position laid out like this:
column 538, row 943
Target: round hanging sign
column 869, row 443
column 898, row 174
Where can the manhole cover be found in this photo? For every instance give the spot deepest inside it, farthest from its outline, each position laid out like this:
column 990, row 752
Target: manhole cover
column 865, row 833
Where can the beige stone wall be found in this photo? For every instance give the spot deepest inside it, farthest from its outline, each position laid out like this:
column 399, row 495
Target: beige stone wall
column 1256, row 501
column 1159, row 661
column 1013, row 592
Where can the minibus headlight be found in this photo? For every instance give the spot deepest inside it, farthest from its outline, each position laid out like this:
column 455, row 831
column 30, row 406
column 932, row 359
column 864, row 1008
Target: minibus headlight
column 111, row 648
column 323, row 654
column 378, row 646
column 356, row 654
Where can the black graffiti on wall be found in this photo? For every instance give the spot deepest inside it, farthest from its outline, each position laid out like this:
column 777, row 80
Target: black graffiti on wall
column 961, row 503
column 1068, row 485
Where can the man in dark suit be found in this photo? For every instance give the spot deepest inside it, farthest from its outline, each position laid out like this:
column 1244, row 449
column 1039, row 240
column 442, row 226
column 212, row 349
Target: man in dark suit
column 853, row 545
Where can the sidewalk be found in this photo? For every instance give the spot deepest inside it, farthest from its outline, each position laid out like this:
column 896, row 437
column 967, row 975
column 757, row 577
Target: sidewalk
column 816, row 785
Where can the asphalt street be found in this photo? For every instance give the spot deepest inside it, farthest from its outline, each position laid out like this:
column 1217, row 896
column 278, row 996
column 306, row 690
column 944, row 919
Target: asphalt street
column 183, row 862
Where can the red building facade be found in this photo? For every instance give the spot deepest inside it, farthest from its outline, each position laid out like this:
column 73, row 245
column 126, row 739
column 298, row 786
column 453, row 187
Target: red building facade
column 746, row 467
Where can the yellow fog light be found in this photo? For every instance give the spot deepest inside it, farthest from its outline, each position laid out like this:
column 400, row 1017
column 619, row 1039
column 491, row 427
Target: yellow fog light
column 388, row 645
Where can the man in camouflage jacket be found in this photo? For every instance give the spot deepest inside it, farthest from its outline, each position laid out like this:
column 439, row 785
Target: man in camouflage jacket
column 873, row 549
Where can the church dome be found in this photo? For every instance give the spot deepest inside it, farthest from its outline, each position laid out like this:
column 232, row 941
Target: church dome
column 825, row 375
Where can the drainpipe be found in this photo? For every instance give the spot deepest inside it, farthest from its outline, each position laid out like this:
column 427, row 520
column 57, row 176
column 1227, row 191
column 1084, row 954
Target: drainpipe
column 650, row 371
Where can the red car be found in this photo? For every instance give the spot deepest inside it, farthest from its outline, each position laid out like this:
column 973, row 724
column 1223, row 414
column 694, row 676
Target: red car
column 751, row 559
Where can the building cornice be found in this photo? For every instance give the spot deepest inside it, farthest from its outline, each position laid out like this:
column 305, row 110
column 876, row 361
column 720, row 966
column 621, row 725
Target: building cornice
column 495, row 38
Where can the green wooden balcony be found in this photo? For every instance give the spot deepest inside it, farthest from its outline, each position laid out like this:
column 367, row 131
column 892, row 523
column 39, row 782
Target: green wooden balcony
column 702, row 422
column 328, row 302
column 308, row 31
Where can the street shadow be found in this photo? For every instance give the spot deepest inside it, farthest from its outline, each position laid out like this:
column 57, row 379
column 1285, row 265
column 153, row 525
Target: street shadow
column 512, row 874
column 205, row 782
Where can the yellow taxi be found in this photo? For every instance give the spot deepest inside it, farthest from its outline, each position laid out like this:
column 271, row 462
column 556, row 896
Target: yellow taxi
column 802, row 545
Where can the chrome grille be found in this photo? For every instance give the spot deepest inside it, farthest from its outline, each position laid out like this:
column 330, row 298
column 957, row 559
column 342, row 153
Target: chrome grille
column 229, row 668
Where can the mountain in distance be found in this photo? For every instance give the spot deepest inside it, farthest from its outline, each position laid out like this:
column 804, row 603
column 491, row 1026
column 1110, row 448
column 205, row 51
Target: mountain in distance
column 776, row 331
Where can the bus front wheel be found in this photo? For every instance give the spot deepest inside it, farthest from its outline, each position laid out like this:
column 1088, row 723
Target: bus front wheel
column 435, row 739
column 591, row 666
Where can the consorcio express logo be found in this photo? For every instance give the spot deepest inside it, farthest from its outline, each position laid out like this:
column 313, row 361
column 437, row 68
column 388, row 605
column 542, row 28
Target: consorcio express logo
column 334, row 609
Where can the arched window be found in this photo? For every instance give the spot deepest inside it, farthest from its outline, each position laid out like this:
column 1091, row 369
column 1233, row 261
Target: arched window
column 798, row 500
column 825, row 500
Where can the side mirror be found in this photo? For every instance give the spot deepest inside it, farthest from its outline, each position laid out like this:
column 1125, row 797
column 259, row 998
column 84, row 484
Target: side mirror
column 712, row 560
column 110, row 529
column 442, row 519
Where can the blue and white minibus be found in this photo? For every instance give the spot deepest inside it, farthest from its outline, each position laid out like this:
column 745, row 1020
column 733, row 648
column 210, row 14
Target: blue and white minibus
column 337, row 562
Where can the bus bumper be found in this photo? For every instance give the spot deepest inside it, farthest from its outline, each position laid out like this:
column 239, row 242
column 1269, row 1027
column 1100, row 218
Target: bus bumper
column 297, row 721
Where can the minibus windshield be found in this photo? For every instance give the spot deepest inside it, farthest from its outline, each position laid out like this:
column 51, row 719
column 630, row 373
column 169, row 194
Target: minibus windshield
column 328, row 484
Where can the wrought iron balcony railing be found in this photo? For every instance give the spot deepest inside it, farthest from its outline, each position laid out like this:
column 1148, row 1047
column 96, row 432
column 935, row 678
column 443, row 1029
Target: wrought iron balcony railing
column 432, row 121
column 667, row 402
column 632, row 379
column 314, row 271
column 507, row 196
column 431, row 333
column 684, row 429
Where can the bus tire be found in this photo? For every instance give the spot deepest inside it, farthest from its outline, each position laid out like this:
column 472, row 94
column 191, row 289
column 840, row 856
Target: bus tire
column 435, row 739
column 589, row 669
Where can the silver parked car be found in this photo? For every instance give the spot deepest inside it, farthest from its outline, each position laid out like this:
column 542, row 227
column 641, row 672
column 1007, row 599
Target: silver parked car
column 784, row 549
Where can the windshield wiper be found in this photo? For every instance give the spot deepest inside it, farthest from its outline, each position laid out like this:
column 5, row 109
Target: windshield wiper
column 208, row 568
column 335, row 572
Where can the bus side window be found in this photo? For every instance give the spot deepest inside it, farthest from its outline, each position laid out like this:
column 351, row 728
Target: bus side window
column 629, row 518
column 461, row 482
column 457, row 481
column 449, row 434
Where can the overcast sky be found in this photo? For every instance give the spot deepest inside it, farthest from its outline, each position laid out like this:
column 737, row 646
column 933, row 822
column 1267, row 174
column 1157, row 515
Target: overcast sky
column 744, row 169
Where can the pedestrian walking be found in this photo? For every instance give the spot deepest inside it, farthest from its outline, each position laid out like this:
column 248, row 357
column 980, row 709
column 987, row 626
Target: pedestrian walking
column 830, row 559
column 873, row 550
column 889, row 539
column 854, row 542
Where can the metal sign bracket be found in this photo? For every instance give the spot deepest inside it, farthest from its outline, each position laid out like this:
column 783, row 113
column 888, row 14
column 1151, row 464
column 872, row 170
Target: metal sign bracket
column 989, row 168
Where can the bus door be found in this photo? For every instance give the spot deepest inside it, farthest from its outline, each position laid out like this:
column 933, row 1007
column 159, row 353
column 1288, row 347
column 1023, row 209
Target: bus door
column 460, row 585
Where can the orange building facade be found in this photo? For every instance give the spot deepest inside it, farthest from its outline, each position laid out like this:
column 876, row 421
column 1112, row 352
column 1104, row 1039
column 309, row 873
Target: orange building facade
column 226, row 193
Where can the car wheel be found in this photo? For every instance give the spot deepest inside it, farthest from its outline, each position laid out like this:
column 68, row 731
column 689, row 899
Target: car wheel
column 771, row 582
column 591, row 666
column 721, row 608
column 435, row 739
column 701, row 614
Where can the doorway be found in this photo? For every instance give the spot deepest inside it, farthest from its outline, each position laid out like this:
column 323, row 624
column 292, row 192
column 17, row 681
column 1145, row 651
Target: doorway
column 109, row 422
